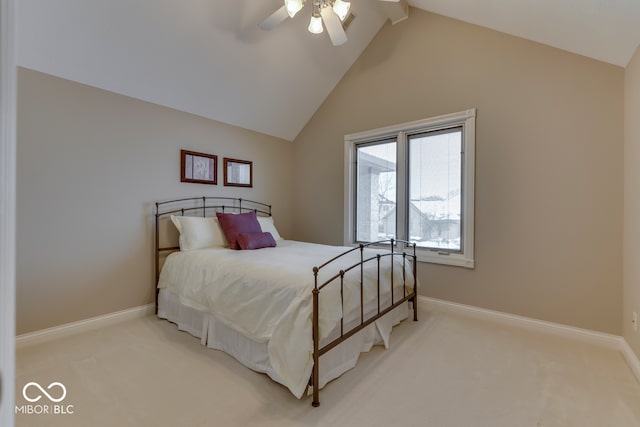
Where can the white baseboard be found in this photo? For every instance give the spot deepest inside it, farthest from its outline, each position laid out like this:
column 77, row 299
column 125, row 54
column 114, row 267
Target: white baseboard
column 68, row 329
column 584, row 335
column 614, row 342
column 600, row 339
column 631, row 358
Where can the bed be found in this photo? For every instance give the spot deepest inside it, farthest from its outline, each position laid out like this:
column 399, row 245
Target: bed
column 301, row 313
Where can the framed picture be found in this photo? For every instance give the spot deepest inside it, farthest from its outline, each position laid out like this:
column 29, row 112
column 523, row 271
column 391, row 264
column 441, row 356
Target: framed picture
column 238, row 173
column 198, row 167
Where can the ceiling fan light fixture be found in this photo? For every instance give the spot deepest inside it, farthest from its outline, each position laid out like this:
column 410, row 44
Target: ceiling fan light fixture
column 293, row 6
column 315, row 25
column 334, row 15
column 341, row 8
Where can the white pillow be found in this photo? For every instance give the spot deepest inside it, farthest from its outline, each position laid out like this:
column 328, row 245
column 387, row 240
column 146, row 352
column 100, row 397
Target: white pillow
column 267, row 226
column 199, row 232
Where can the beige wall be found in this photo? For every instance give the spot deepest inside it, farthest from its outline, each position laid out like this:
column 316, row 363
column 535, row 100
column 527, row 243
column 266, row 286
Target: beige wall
column 631, row 301
column 549, row 163
column 90, row 165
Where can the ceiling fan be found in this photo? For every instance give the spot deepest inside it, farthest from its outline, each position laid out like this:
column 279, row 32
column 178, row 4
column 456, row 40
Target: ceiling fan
column 330, row 12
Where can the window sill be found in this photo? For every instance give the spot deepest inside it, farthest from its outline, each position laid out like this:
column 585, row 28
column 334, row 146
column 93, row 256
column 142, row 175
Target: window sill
column 453, row 260
column 431, row 257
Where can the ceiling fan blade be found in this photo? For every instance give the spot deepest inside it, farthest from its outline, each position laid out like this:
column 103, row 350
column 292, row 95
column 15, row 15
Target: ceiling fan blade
column 275, row 19
column 334, row 26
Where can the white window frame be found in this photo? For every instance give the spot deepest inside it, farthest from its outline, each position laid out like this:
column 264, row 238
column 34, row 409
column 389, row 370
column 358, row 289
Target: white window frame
column 466, row 119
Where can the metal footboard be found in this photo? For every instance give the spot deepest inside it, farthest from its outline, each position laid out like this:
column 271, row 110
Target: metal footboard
column 381, row 310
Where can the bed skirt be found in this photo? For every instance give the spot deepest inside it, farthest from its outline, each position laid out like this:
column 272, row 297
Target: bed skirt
column 214, row 334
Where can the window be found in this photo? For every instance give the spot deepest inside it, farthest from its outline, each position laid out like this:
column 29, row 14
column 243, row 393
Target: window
column 376, row 194
column 414, row 182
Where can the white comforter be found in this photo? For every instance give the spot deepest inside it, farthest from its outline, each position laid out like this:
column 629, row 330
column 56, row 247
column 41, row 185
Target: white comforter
column 266, row 295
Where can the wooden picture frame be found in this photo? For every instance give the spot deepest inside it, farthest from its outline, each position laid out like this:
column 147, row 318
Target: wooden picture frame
column 199, row 168
column 238, row 173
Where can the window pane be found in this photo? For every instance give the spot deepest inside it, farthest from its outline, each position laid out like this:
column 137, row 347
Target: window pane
column 435, row 184
column 376, row 191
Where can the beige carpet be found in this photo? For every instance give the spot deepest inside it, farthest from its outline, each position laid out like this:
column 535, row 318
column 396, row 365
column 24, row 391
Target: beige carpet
column 444, row 370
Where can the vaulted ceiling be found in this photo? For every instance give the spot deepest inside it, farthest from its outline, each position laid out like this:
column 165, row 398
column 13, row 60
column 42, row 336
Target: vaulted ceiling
column 209, row 58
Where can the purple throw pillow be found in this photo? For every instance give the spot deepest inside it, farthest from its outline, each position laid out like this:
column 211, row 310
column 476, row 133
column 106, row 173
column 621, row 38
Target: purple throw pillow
column 234, row 224
column 256, row 240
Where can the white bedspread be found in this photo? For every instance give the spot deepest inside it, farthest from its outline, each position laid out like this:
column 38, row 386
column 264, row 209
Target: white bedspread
column 266, row 295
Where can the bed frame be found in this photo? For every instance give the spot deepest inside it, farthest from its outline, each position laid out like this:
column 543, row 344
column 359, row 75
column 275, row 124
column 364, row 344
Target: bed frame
column 208, row 206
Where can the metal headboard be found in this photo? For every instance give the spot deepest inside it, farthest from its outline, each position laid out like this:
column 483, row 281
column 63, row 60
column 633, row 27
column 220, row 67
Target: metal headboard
column 199, row 206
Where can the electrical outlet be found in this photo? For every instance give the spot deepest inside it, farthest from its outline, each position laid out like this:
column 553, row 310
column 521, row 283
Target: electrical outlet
column 634, row 321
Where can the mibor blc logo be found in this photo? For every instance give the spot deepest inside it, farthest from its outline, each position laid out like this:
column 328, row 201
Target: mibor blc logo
column 55, row 393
